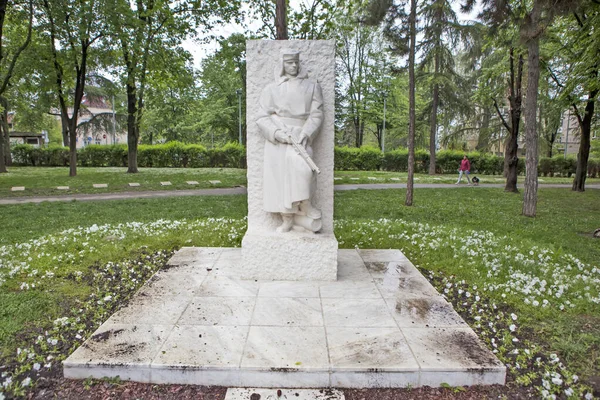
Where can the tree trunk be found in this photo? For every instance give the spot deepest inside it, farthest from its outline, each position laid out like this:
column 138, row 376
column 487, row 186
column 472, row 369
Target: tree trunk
column 281, row 19
column 411, row 103
column 65, row 135
column 3, row 133
column 132, row 129
column 433, row 128
column 584, row 144
column 531, row 137
column 511, row 158
column 73, row 146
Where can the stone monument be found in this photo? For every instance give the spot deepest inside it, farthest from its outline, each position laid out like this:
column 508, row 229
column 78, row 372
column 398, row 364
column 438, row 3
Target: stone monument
column 290, row 141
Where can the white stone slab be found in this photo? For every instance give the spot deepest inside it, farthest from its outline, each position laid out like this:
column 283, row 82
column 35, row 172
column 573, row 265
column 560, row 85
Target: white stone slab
column 133, row 184
column 144, row 309
column 188, row 255
column 166, row 183
column 215, row 335
column 381, row 349
column 100, row 185
column 350, row 290
column 284, row 394
column 450, row 355
column 224, row 286
column 351, row 266
column 369, row 255
column 296, row 348
column 203, row 346
column 424, row 312
column 394, row 179
column 337, row 178
column 279, row 289
column 172, row 283
column 17, row 188
column 372, row 178
column 357, row 313
column 191, row 182
column 287, row 311
column 223, row 311
column 354, row 179
column 290, row 256
column 394, row 286
column 215, row 182
column 62, row 187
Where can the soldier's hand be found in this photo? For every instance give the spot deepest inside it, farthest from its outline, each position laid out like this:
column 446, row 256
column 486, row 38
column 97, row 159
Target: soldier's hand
column 281, row 137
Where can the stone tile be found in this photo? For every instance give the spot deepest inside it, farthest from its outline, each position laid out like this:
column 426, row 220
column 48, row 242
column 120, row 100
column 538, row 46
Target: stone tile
column 350, row 290
column 394, row 179
column 283, row 377
column 287, row 312
column 133, row 184
column 200, row 267
column 187, row 255
column 143, row 309
column 62, row 188
column 293, row 348
column 165, row 183
column 424, row 312
column 377, row 379
column 297, row 394
column 215, row 182
column 351, row 266
column 337, row 178
column 191, row 182
column 384, row 349
column 365, row 313
column 205, row 346
column 397, row 286
column 124, row 344
column 223, row 286
column 100, row 185
column 172, row 283
column 288, row 289
column 223, row 311
column 193, row 375
column 124, row 372
column 354, row 179
column 372, row 178
column 391, row 268
column 449, row 349
column 381, row 255
column 17, row 188
column 230, row 260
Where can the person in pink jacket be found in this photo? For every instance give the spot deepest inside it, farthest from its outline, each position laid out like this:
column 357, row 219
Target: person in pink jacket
column 465, row 168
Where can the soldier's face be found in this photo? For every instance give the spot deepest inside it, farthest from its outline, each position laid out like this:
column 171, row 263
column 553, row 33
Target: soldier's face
column 290, row 67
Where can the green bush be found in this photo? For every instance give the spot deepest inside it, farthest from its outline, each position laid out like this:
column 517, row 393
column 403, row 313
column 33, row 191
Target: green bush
column 196, row 156
column 358, row 159
column 232, row 155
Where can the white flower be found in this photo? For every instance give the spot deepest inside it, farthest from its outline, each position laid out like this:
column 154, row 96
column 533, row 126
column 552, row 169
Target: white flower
column 568, row 392
column 26, row 382
column 513, row 316
column 36, row 367
column 512, row 327
column 557, row 381
column 575, row 378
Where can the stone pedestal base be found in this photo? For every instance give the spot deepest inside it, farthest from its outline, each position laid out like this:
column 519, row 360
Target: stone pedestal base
column 293, row 256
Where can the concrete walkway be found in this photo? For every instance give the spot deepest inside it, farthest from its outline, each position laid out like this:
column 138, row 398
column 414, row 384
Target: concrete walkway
column 242, row 190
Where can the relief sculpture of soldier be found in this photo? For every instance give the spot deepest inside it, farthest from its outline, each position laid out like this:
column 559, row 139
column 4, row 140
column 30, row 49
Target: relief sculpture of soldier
column 291, row 114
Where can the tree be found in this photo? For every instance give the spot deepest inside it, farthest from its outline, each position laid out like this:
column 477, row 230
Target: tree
column 440, row 35
column 12, row 45
column 73, row 29
column 140, row 31
column 281, row 19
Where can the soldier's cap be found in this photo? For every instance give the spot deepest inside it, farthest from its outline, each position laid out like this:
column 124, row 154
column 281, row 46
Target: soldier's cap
column 289, row 54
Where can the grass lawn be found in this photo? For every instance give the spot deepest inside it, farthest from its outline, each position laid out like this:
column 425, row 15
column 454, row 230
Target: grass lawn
column 65, row 267
column 44, row 181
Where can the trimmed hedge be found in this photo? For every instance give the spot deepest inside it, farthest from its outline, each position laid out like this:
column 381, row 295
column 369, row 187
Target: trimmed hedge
column 233, row 155
column 172, row 154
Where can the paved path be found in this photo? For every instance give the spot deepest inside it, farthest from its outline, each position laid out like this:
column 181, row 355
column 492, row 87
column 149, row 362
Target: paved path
column 242, row 190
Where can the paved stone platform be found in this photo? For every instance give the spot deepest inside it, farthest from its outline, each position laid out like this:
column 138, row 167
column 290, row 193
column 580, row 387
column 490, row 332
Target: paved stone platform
column 380, row 325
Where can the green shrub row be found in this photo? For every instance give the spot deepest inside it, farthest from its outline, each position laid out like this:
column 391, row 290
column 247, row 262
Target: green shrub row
column 172, row 154
column 233, row 155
